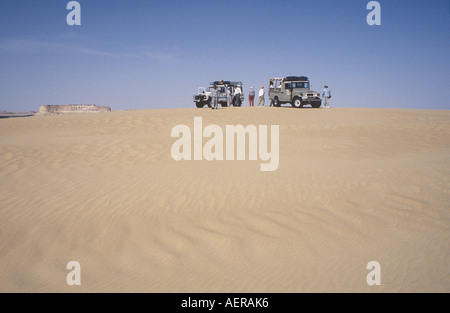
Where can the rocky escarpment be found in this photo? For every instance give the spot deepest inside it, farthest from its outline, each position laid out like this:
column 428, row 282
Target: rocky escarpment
column 71, row 109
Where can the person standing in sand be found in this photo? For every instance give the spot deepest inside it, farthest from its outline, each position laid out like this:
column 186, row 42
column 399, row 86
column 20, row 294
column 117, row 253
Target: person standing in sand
column 229, row 98
column 251, row 97
column 326, row 95
column 237, row 94
column 214, row 98
column 261, row 96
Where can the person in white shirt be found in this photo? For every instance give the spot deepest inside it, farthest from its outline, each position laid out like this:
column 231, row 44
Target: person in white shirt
column 237, row 94
column 261, row 96
column 229, row 98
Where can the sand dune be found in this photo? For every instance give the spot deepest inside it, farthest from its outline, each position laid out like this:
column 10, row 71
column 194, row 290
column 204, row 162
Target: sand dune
column 353, row 186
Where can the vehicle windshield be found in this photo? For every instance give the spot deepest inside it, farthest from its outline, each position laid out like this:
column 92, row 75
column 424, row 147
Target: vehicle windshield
column 300, row 84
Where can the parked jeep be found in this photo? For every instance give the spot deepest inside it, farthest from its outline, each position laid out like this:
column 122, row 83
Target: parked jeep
column 294, row 90
column 203, row 97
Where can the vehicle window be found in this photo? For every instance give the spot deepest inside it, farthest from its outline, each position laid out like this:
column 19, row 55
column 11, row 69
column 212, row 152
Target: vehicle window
column 300, row 85
column 287, row 86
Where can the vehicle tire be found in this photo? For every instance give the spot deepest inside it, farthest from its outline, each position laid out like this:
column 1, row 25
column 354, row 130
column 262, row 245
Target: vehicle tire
column 209, row 103
column 316, row 106
column 297, row 102
column 276, row 102
column 224, row 104
column 200, row 105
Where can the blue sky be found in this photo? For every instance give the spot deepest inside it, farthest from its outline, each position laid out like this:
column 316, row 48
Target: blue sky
column 138, row 54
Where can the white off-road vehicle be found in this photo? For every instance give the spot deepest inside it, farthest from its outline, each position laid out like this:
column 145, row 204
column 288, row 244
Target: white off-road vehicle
column 203, row 97
column 294, row 90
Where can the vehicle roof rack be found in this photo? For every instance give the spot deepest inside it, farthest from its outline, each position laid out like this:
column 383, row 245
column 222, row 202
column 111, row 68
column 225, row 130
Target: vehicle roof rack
column 296, row 78
column 225, row 82
column 221, row 82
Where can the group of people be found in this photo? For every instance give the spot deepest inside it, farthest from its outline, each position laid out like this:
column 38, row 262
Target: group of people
column 251, row 96
column 235, row 99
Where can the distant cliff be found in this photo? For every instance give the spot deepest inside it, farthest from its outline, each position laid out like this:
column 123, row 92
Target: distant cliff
column 70, row 109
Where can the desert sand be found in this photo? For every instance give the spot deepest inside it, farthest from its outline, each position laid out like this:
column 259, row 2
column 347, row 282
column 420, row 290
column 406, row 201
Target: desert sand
column 353, row 186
